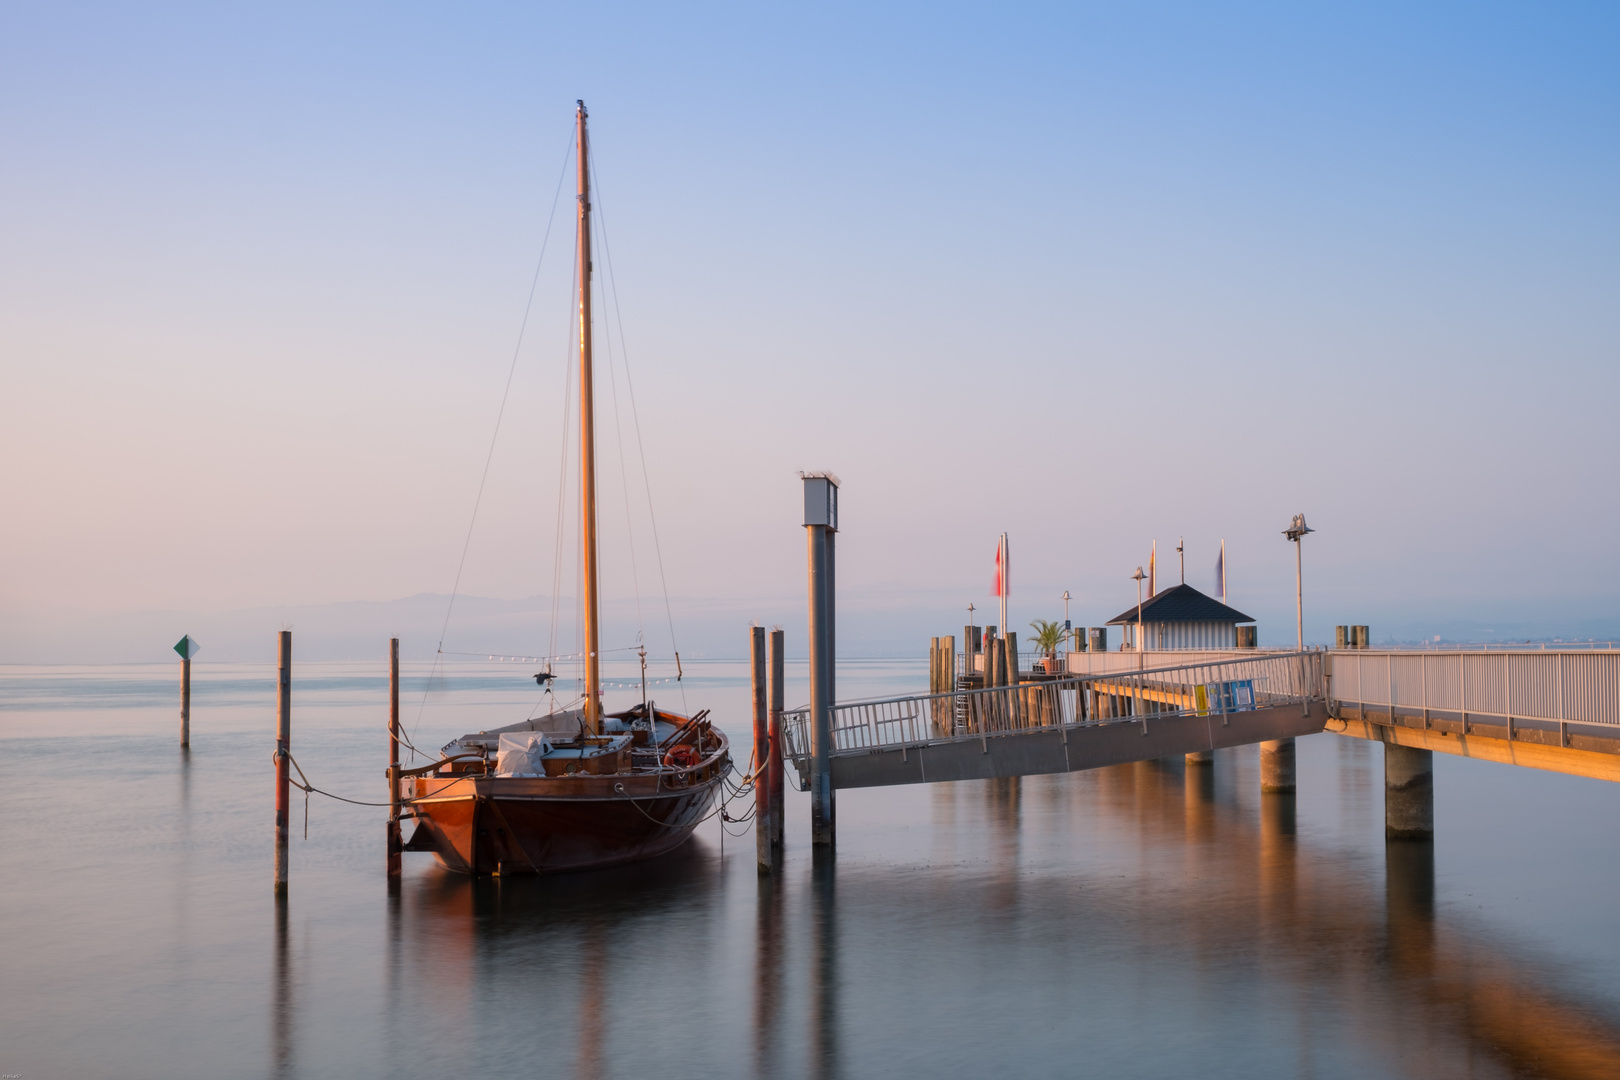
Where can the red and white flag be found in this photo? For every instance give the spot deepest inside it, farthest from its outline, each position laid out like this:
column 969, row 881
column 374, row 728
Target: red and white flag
column 1000, row 586
column 1153, row 571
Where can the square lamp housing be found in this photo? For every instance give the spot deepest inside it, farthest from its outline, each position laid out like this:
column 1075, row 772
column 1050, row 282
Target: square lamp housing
column 821, row 500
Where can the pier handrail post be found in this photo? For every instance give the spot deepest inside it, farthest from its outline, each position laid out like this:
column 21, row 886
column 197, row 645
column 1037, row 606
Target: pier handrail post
column 821, row 522
column 283, row 748
column 395, row 846
column 773, row 773
column 762, row 750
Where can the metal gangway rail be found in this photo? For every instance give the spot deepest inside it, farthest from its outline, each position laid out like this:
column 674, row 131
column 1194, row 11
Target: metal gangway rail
column 1514, row 693
column 1210, row 689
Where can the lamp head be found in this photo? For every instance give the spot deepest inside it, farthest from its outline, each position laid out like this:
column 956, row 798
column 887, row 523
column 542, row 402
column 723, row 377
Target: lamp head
column 1297, row 528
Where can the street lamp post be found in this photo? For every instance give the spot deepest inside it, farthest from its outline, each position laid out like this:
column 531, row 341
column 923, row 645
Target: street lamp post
column 968, row 644
column 1294, row 532
column 1139, row 577
column 1277, row 755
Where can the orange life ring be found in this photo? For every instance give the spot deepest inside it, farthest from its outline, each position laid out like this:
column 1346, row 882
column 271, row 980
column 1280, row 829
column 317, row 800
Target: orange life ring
column 682, row 757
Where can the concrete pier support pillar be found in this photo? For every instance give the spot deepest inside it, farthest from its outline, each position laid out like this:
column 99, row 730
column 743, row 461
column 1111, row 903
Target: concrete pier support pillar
column 1201, row 757
column 1277, row 765
column 1408, row 793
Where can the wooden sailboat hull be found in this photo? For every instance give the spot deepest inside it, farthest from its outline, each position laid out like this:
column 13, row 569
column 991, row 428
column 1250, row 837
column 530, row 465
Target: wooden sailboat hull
column 516, row 825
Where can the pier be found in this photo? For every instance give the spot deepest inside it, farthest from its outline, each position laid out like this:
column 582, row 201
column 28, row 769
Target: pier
column 1067, row 724
column 1541, row 709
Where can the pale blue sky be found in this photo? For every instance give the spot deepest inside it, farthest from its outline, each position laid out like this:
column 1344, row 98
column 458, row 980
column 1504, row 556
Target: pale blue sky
column 1091, row 275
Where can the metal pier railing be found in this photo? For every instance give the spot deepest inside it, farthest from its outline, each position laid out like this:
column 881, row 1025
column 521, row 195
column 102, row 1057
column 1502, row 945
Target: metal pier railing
column 1206, row 688
column 1548, row 689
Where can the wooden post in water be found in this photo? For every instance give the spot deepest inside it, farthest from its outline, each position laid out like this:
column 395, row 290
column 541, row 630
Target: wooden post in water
column 395, row 845
column 187, row 648
column 283, row 748
column 774, row 770
column 185, row 703
column 762, row 750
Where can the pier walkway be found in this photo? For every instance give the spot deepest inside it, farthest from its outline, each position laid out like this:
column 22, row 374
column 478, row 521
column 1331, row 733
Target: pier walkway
column 1069, row 723
column 1537, row 708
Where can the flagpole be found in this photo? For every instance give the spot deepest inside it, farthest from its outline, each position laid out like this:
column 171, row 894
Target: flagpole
column 1006, row 579
column 1223, row 570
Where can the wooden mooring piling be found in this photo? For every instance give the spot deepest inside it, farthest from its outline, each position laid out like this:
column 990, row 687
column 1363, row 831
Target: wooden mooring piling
column 283, row 749
column 395, row 845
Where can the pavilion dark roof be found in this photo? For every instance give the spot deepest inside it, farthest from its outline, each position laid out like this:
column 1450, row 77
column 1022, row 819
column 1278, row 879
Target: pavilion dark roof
column 1181, row 603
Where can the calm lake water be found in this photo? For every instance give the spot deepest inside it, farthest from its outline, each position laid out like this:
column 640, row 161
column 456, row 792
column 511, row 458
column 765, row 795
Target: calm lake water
column 1138, row 921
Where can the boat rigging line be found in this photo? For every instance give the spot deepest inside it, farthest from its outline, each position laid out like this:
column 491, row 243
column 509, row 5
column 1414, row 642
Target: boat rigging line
column 506, row 392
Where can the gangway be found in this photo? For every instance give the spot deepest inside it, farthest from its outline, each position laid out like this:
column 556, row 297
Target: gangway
column 1066, row 724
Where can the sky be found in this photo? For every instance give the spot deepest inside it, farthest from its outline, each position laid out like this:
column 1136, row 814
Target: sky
column 1092, row 275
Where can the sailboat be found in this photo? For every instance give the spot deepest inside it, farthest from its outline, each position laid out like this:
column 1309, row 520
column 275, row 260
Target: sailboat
column 582, row 788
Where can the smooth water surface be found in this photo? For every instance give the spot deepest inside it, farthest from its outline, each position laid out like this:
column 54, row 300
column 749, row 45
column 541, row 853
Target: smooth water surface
column 1143, row 920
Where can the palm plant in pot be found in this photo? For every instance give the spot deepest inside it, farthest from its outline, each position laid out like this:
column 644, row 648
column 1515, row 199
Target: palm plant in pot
column 1048, row 636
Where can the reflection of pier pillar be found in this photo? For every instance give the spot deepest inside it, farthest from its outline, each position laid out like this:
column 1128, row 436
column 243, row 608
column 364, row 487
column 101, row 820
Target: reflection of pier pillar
column 1198, row 791
column 767, row 974
column 1279, row 861
column 1277, row 765
column 1409, row 906
column 1408, row 793
column 823, row 969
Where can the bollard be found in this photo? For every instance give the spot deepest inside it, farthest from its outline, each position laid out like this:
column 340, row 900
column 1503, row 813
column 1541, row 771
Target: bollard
column 762, row 750
column 1408, row 793
column 395, row 846
column 1277, row 765
column 774, row 773
column 283, row 748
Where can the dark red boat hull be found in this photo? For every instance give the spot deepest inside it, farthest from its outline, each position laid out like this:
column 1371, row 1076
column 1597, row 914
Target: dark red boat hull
column 510, row 825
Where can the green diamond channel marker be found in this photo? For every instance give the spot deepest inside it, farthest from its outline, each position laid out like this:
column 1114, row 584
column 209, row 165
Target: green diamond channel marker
column 187, row 647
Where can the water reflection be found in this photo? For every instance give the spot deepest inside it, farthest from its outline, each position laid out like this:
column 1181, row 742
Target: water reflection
column 824, row 1058
column 281, row 1008
column 769, row 958
column 1139, row 875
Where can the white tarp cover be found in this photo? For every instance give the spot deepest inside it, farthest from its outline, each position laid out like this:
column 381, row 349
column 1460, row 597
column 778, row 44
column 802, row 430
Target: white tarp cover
column 520, row 754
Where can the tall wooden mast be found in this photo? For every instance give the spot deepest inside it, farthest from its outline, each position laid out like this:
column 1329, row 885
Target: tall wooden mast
column 587, row 437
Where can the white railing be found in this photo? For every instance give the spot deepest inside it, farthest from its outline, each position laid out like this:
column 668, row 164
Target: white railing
column 1546, row 687
column 1212, row 687
column 1505, row 646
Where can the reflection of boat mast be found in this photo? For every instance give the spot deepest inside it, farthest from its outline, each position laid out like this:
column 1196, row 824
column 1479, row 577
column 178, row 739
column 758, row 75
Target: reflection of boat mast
column 587, row 436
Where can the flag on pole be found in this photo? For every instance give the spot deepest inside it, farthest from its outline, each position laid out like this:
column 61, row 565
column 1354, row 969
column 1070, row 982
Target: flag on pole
column 1220, row 572
column 1153, row 558
column 999, row 588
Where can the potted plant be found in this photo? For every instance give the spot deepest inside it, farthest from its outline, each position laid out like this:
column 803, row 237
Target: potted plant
column 1048, row 636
